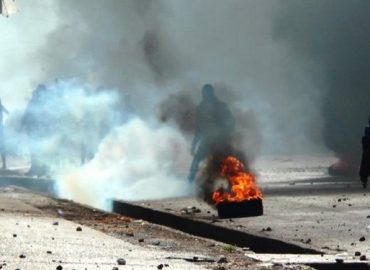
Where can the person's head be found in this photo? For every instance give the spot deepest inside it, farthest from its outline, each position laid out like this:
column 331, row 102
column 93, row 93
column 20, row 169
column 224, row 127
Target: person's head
column 208, row 92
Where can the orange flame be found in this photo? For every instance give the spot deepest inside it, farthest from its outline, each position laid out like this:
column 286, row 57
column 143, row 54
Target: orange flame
column 243, row 184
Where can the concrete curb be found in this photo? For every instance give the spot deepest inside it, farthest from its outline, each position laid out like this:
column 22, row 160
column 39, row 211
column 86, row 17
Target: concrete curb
column 256, row 243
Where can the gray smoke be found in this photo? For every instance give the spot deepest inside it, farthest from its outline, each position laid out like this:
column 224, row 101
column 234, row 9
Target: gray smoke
column 294, row 73
column 151, row 49
column 332, row 38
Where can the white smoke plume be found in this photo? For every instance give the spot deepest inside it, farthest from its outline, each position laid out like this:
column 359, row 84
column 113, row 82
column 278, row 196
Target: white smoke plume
column 135, row 161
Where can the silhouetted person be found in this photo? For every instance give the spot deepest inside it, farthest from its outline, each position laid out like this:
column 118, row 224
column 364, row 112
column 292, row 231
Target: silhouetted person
column 214, row 125
column 2, row 140
column 33, row 124
column 365, row 161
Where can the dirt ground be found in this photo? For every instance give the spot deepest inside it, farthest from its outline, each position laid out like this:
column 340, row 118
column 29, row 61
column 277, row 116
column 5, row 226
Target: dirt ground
column 214, row 255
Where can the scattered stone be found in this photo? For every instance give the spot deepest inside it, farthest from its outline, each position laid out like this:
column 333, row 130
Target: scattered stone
column 357, row 253
column 308, row 241
column 334, row 205
column 338, row 260
column 79, row 229
column 160, row 266
column 268, row 229
column 349, row 205
column 14, row 235
column 190, row 210
column 60, row 212
column 115, row 268
column 222, row 260
column 49, row 252
column 22, row 256
column 368, row 217
column 363, row 258
column 362, row 239
column 56, row 223
column 339, row 200
column 121, row 261
column 141, row 240
column 130, row 234
column 59, row 267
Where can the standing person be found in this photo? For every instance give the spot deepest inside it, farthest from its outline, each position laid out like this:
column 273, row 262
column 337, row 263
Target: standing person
column 214, row 126
column 365, row 160
column 2, row 140
column 34, row 123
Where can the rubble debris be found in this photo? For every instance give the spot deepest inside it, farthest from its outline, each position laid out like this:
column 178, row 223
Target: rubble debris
column 14, row 235
column 160, row 266
column 79, row 229
column 190, row 210
column 60, row 212
column 362, row 239
column 357, row 253
column 115, row 268
column 222, row 260
column 49, row 252
column 56, row 223
column 22, row 256
column 130, row 234
column 121, row 261
column 268, row 229
column 59, row 267
column 192, row 259
column 141, row 240
column 363, row 258
column 339, row 260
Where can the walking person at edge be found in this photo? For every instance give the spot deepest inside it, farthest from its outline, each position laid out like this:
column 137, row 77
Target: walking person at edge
column 2, row 139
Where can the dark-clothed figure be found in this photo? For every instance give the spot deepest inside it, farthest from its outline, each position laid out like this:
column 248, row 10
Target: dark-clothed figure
column 365, row 161
column 214, row 125
column 33, row 123
column 2, row 143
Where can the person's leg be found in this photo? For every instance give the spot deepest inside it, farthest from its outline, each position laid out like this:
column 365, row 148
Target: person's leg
column 2, row 151
column 3, row 158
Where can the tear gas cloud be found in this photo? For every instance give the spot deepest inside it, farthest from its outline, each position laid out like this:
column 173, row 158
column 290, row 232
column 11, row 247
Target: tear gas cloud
column 272, row 62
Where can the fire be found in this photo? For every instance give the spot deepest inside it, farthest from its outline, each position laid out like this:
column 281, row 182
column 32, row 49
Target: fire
column 243, row 184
